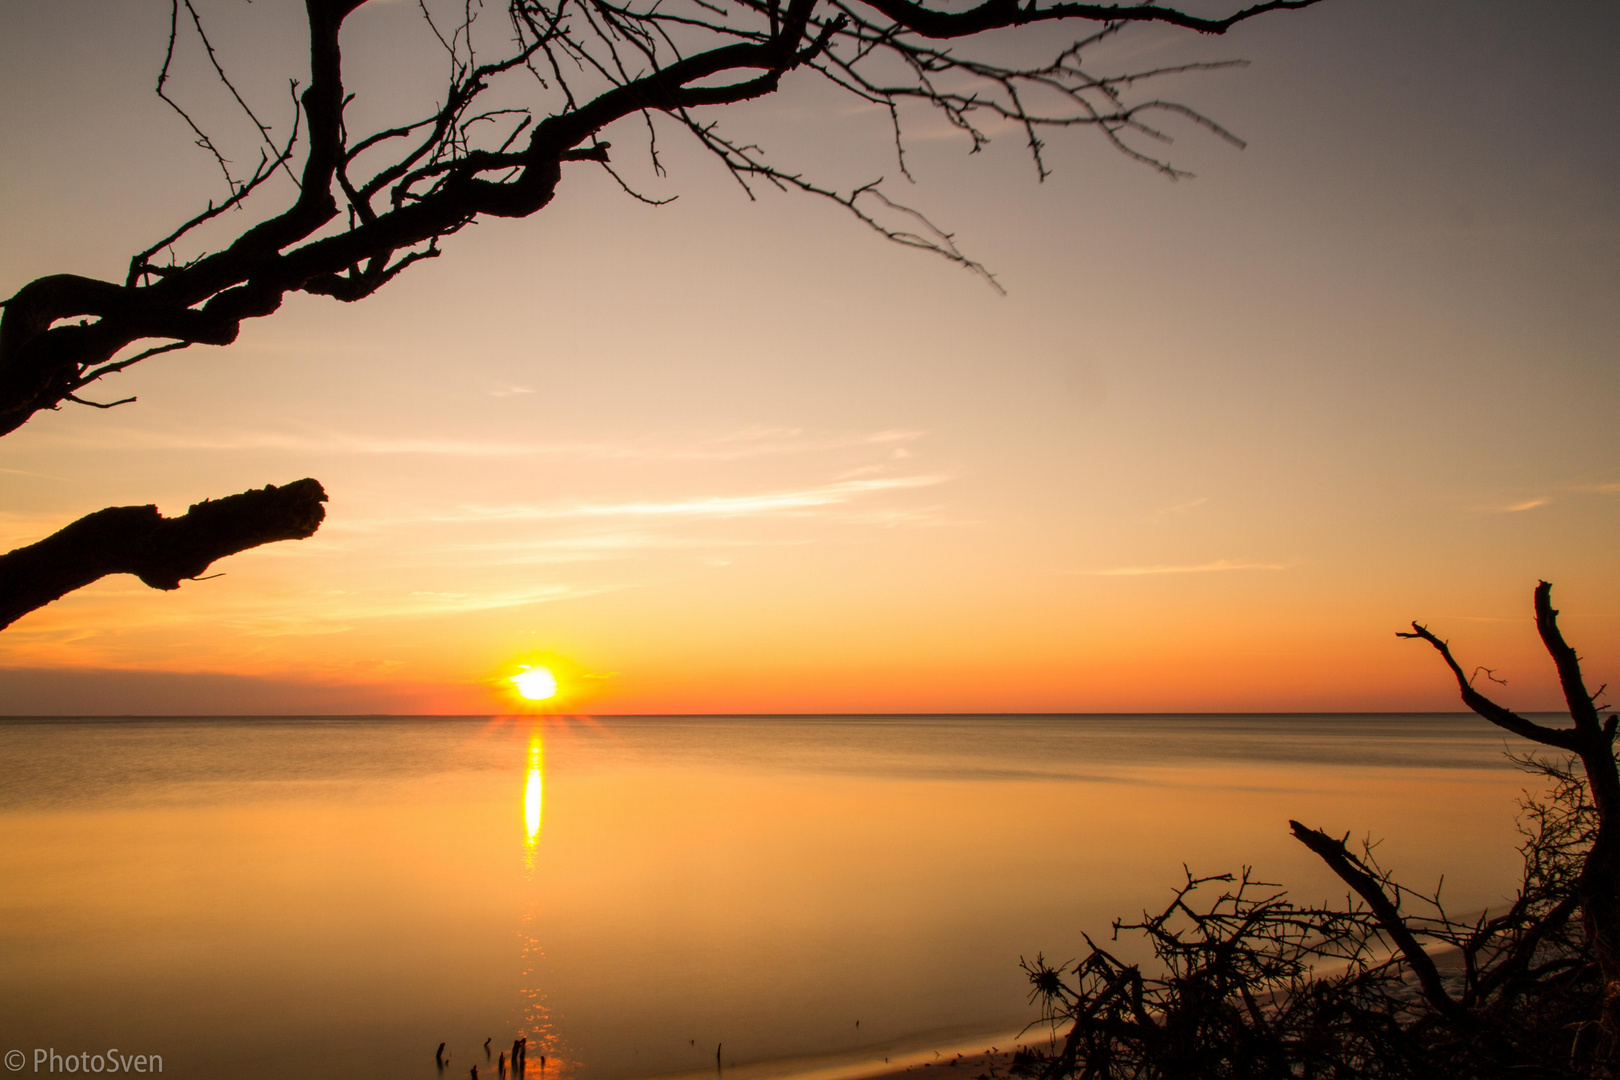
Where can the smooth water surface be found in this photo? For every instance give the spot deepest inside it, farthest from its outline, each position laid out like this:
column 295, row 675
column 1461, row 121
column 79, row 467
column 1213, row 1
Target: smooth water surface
column 336, row 897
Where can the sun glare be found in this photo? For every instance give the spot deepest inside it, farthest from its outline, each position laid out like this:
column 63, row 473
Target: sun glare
column 535, row 683
column 533, row 789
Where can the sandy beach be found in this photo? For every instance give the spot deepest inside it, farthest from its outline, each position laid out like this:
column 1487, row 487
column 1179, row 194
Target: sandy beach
column 985, row 1063
column 950, row 1055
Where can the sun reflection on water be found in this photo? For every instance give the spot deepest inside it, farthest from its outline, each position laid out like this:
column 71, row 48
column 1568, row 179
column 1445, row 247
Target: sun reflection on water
column 533, row 790
column 545, row 1044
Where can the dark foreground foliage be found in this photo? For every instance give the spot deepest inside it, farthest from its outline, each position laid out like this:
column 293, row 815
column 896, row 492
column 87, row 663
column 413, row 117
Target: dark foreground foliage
column 1246, row 983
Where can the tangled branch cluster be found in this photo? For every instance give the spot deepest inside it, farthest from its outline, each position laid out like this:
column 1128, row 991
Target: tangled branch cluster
column 1245, row 983
column 529, row 93
column 1389, row 984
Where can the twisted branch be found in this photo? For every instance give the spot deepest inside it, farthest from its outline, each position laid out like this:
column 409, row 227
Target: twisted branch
column 160, row 551
column 369, row 205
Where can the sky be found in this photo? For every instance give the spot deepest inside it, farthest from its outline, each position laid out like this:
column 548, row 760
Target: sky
column 1218, row 441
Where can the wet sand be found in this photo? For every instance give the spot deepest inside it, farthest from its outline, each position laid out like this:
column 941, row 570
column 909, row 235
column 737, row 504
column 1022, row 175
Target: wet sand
column 987, row 1063
column 946, row 1055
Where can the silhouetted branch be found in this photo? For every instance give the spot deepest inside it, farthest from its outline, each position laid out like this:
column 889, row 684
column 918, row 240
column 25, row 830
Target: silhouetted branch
column 1370, row 888
column 160, row 551
column 1581, row 707
column 1250, row 985
column 1490, row 710
column 486, row 151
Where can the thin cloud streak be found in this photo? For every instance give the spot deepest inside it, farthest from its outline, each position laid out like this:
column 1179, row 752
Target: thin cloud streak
column 36, row 475
column 1218, row 566
column 732, row 446
column 444, row 603
column 296, row 616
column 801, row 501
column 1516, row 508
column 615, row 546
column 339, row 617
column 597, row 542
column 747, row 505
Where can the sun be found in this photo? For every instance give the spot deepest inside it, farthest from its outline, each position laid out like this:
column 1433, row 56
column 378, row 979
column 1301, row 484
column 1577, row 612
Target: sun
column 535, row 683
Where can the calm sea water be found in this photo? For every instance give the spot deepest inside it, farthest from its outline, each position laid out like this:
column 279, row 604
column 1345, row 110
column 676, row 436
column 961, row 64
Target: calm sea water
column 334, row 898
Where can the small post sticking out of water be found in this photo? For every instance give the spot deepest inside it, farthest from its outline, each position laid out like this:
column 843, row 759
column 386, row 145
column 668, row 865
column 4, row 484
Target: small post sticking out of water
column 486, row 1046
column 438, row 1056
column 475, row 1073
column 502, row 1063
column 717, row 1069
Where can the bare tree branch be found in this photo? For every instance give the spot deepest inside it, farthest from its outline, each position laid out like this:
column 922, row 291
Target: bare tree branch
column 408, row 185
column 1370, row 888
column 1562, row 738
column 160, row 551
column 1582, row 707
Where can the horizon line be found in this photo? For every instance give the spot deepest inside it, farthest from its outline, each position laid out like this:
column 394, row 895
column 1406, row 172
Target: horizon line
column 730, row 715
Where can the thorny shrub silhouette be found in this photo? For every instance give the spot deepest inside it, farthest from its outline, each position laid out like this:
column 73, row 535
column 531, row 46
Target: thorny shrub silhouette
column 1246, row 983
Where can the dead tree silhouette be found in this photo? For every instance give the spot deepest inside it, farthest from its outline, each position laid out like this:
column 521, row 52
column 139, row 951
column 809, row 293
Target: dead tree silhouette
column 362, row 206
column 1250, row 984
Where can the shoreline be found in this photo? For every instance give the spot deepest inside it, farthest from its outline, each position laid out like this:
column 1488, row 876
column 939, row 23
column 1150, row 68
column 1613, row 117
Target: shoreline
column 958, row 1055
column 985, row 1063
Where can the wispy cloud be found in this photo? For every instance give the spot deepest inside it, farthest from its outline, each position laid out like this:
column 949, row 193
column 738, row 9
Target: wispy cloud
column 1217, row 566
column 1182, row 507
column 437, row 603
column 1516, row 508
column 39, row 475
column 727, row 446
column 799, row 500
column 606, row 542
column 337, row 613
column 551, row 551
column 605, row 545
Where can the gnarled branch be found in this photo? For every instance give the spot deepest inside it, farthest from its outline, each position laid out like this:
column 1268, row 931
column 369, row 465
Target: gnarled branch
column 1355, row 874
column 160, row 551
column 1582, row 706
column 1502, row 717
column 488, row 151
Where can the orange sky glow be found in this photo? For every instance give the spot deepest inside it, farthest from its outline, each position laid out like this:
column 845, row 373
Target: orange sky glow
column 1219, row 441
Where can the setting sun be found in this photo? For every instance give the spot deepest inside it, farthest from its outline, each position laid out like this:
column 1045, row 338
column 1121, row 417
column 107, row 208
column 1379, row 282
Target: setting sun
column 535, row 683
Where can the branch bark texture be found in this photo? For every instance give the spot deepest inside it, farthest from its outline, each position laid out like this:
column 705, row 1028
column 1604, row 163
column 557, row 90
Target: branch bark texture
column 160, row 551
